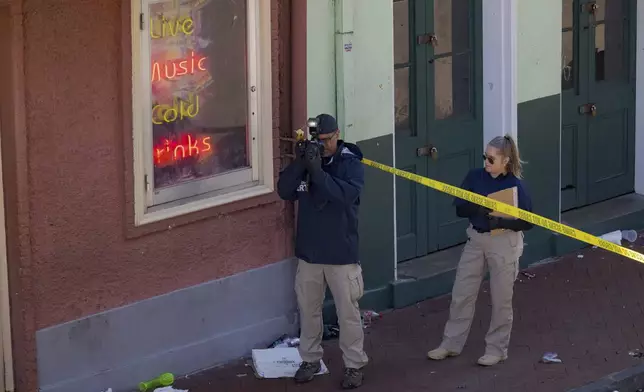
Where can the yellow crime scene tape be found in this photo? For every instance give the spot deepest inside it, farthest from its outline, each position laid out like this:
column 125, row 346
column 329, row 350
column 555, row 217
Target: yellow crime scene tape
column 510, row 210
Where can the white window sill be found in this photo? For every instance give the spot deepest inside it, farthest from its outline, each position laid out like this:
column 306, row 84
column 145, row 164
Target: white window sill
column 201, row 202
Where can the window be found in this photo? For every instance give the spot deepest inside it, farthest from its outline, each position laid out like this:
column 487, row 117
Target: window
column 202, row 104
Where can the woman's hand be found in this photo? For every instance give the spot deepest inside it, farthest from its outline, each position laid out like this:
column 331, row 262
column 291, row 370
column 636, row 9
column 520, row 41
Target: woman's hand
column 495, row 222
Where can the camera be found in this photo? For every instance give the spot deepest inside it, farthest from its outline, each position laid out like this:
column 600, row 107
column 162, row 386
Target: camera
column 303, row 143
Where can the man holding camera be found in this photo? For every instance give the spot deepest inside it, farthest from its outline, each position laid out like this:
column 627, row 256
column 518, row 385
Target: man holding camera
column 326, row 179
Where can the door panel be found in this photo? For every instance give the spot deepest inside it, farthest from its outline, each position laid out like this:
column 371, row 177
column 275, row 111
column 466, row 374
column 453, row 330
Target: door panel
column 452, row 169
column 609, row 172
column 411, row 205
column 597, row 72
column 456, row 124
column 410, row 71
column 438, row 115
column 569, row 166
column 574, row 94
column 610, row 144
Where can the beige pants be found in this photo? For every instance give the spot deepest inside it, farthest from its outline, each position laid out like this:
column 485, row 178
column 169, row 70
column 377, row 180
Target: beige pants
column 501, row 253
column 345, row 282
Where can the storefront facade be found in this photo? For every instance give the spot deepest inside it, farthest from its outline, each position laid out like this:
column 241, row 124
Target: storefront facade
column 141, row 141
column 423, row 85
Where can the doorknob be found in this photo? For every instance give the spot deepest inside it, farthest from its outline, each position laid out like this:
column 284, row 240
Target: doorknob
column 589, row 109
column 433, row 152
column 592, row 8
column 427, row 39
column 427, row 151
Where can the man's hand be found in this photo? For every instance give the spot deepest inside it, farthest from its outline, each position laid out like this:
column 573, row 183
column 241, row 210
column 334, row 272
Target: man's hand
column 312, row 159
column 300, row 150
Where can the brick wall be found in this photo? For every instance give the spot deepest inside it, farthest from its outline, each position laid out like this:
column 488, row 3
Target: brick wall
column 83, row 254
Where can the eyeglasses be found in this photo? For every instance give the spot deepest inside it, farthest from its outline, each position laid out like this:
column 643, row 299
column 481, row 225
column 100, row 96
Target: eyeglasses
column 327, row 138
column 489, row 159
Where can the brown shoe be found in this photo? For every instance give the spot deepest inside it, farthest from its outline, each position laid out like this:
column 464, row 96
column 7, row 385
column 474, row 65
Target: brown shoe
column 307, row 371
column 352, row 378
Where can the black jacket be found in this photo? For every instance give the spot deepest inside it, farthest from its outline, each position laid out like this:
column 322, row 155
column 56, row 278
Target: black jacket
column 327, row 222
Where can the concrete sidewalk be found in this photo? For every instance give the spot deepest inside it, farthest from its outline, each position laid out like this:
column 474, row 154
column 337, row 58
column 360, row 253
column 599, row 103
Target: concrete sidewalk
column 588, row 307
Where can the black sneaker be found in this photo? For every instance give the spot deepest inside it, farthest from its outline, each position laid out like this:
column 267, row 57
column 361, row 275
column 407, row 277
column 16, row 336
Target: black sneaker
column 352, row 378
column 307, row 371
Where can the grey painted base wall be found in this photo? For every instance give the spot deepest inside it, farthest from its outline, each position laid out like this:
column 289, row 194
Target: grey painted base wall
column 180, row 332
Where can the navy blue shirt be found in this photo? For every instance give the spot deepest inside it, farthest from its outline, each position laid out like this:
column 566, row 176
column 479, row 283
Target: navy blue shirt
column 327, row 219
column 481, row 182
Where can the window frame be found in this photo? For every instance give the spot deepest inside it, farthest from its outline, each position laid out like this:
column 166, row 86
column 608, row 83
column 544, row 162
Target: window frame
column 151, row 206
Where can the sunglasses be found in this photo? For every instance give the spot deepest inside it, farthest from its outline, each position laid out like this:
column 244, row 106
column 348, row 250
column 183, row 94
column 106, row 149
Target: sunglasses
column 489, row 159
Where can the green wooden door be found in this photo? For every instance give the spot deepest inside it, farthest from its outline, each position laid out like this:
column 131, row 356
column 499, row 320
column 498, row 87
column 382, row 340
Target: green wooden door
column 439, row 121
column 598, row 101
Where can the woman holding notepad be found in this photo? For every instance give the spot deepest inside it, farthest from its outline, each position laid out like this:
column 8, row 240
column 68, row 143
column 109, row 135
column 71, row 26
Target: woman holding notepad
column 494, row 240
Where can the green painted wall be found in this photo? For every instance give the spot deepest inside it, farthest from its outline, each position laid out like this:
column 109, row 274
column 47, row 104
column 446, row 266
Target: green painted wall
column 538, row 49
column 373, row 53
column 367, row 74
column 350, row 75
column 364, row 67
column 320, row 57
column 539, row 112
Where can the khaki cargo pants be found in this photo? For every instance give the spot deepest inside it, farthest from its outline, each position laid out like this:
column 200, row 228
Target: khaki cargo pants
column 345, row 282
column 501, row 253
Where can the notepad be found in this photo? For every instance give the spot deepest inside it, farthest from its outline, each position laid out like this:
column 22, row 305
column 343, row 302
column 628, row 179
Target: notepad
column 508, row 196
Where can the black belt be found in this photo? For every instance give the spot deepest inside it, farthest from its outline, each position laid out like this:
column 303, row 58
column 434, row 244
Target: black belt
column 479, row 230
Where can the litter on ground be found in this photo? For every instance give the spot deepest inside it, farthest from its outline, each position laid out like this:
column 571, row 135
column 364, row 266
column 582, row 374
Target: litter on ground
column 280, row 362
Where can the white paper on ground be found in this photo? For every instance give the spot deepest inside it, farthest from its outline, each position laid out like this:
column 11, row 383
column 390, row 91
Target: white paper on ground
column 170, row 389
column 279, row 362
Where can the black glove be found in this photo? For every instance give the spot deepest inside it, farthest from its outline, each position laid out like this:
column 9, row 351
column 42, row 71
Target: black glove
column 483, row 211
column 299, row 150
column 494, row 222
column 312, row 159
column 468, row 210
column 497, row 222
column 508, row 224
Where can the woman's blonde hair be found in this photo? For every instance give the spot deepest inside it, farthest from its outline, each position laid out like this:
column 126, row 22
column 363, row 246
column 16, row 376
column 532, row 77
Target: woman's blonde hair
column 508, row 148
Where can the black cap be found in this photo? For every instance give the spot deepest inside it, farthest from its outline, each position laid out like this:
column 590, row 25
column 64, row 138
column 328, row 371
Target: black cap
column 326, row 124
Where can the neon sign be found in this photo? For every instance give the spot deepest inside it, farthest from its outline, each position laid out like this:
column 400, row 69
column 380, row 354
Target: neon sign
column 179, row 109
column 185, row 66
column 171, row 27
column 169, row 152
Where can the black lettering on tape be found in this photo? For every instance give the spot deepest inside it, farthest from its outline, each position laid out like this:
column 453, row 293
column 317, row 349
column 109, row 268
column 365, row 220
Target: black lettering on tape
column 510, row 210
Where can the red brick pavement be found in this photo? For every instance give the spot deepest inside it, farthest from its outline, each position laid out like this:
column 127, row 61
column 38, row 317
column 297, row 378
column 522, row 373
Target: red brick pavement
column 589, row 310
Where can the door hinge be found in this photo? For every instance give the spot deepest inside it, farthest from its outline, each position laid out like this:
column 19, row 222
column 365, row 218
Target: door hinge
column 141, row 22
column 146, row 183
